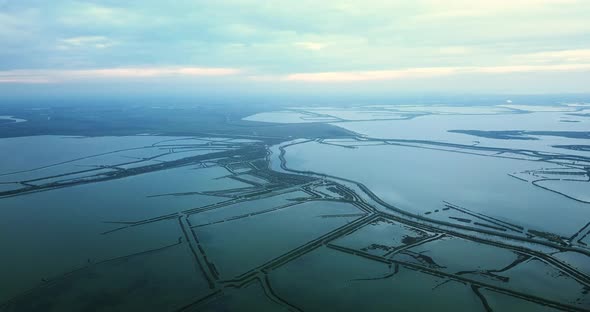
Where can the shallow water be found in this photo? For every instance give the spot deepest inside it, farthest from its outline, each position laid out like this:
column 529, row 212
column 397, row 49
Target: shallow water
column 214, row 224
column 421, row 180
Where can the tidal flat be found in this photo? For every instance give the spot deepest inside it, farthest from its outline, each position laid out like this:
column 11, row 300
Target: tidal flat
column 375, row 207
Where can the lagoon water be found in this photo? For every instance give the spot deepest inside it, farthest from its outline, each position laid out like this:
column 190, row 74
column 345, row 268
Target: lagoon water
column 48, row 233
column 420, row 180
column 421, row 163
column 125, row 223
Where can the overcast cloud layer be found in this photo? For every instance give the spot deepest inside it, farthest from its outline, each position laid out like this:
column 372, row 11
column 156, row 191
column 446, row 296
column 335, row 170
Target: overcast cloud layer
column 461, row 45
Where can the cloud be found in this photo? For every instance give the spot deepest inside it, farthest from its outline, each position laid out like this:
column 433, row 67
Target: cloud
column 308, row 45
column 98, row 42
column 427, row 72
column 23, row 80
column 455, row 50
column 352, row 76
column 559, row 56
column 452, row 9
column 13, row 28
column 91, row 14
column 54, row 76
column 306, row 40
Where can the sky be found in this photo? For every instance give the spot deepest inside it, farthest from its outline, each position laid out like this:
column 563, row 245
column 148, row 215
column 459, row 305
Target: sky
column 499, row 46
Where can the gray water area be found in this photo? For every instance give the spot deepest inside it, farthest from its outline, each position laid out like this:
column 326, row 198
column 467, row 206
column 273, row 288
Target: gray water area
column 436, row 128
column 64, row 226
column 250, row 298
column 11, row 120
column 501, row 302
column 450, row 254
column 382, row 237
column 575, row 259
column 208, row 236
column 265, row 236
column 421, row 180
column 51, row 250
column 528, row 277
column 247, row 208
column 287, row 117
column 40, row 151
column 330, row 279
column 579, row 190
column 157, row 281
column 252, row 179
column 80, row 227
column 9, row 186
column 473, row 261
column 433, row 123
